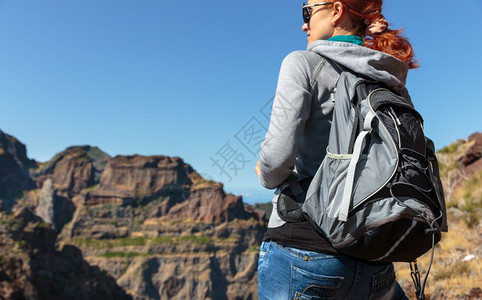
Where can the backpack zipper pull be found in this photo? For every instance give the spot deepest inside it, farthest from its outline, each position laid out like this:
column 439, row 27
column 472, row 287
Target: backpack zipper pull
column 397, row 120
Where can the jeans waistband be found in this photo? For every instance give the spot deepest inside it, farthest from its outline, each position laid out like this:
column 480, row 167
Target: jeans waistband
column 300, row 253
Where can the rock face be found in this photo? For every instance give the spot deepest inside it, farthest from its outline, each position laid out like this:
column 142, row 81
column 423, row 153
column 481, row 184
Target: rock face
column 176, row 190
column 73, row 169
column 68, row 174
column 46, row 202
column 150, row 224
column 179, row 263
column 474, row 152
column 129, row 178
column 164, row 232
column 14, row 165
column 461, row 168
column 471, row 158
column 32, row 268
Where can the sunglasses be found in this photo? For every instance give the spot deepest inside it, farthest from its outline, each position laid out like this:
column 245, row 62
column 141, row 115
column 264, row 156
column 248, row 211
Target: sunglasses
column 307, row 12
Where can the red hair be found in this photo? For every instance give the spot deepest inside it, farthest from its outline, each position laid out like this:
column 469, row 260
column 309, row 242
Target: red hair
column 362, row 13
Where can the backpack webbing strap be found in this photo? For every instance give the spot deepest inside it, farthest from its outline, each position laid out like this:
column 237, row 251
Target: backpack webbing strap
column 342, row 156
column 419, row 286
column 350, row 177
column 295, row 187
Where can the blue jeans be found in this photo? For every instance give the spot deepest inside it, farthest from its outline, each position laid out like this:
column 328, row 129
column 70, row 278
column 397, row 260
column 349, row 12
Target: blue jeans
column 290, row 273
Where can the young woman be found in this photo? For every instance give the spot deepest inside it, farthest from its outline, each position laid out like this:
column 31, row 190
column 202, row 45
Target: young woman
column 295, row 262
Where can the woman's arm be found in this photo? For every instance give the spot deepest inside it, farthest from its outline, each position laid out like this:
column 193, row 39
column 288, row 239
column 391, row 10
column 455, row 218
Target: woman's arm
column 291, row 108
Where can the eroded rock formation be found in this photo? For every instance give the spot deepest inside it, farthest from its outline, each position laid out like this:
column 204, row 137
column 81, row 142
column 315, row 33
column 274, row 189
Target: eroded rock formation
column 32, row 268
column 164, row 232
column 154, row 226
column 14, row 166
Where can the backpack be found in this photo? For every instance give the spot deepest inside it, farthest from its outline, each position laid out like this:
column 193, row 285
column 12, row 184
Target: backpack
column 377, row 195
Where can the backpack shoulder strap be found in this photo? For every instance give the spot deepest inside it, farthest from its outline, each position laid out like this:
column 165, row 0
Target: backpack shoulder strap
column 339, row 68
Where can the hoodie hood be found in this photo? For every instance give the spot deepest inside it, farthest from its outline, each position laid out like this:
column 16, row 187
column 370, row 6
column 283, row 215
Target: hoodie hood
column 372, row 63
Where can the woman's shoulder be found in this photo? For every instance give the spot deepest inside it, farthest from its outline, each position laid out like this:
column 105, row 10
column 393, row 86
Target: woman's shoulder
column 302, row 60
column 303, row 56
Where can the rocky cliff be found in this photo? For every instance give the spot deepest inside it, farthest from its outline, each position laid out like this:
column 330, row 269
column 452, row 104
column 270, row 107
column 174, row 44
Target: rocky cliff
column 152, row 223
column 14, row 170
column 164, row 232
column 61, row 179
column 32, row 268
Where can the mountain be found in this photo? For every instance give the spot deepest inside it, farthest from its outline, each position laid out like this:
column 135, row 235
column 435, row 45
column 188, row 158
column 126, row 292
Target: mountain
column 151, row 224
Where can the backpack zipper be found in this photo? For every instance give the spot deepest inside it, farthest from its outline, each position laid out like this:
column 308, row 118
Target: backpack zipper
column 396, row 122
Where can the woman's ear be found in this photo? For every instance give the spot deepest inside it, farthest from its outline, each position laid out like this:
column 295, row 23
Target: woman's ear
column 337, row 14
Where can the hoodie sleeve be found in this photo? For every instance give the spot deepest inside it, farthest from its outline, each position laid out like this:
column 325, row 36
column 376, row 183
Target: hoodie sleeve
column 291, row 108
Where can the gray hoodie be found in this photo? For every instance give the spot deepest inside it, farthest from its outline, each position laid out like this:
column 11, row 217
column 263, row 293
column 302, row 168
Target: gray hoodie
column 300, row 121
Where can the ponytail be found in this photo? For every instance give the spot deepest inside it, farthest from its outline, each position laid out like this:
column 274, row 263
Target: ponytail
column 372, row 26
column 392, row 43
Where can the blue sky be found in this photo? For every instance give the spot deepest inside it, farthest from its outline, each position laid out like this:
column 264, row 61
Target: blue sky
column 195, row 79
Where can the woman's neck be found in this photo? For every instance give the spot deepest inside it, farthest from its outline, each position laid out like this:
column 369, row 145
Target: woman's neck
column 343, row 31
